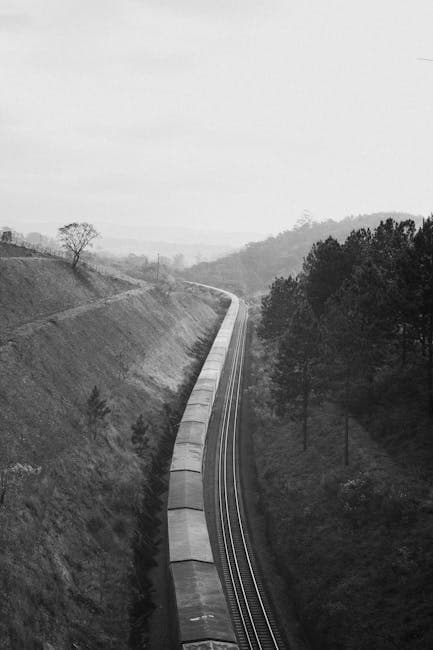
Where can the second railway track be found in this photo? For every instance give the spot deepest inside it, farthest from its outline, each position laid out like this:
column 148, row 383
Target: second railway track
column 253, row 619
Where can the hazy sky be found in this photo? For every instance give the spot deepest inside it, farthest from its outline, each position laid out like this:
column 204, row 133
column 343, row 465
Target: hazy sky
column 223, row 114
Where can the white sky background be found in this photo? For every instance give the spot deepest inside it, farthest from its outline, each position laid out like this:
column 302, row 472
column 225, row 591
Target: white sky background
column 222, row 114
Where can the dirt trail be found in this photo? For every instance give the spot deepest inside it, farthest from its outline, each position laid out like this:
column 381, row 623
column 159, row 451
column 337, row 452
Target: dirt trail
column 30, row 257
column 27, row 329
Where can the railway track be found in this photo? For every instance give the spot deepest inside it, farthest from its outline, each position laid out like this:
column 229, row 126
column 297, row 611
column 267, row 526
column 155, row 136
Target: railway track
column 252, row 617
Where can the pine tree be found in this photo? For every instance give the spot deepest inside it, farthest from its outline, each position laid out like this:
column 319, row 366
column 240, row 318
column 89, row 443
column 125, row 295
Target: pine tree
column 390, row 251
column 97, row 410
column 419, row 276
column 297, row 369
column 139, row 436
column 324, row 271
column 278, row 307
column 354, row 344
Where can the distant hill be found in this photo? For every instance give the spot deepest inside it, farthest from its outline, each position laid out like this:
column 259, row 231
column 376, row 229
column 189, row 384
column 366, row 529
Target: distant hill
column 193, row 245
column 190, row 253
column 253, row 268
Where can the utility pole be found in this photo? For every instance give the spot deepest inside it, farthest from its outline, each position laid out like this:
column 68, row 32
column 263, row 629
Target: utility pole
column 157, row 269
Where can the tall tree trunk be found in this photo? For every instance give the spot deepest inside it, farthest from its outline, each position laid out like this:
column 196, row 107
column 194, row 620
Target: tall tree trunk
column 75, row 260
column 404, row 346
column 346, row 421
column 305, row 395
column 304, row 420
column 430, row 367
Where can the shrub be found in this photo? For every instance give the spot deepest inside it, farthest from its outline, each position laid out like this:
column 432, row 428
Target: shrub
column 358, row 498
column 363, row 501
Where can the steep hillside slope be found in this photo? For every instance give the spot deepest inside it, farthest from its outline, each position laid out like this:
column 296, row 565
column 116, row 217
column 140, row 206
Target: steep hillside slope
column 34, row 287
column 254, row 267
column 69, row 499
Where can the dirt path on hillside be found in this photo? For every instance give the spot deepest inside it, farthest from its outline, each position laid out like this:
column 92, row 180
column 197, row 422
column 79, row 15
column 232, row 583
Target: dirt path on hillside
column 29, row 257
column 57, row 317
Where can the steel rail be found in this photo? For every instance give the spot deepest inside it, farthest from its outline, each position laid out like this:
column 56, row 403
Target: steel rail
column 236, row 494
column 252, row 622
column 225, row 465
column 221, row 495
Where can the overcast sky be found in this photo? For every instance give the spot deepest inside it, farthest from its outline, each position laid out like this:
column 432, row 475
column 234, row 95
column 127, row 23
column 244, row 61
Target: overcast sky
column 235, row 115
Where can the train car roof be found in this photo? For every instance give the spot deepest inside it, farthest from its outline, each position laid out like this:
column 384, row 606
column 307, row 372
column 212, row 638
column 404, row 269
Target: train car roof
column 188, row 536
column 201, row 605
column 185, row 490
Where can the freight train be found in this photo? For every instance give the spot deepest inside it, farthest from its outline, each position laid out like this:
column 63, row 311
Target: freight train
column 203, row 618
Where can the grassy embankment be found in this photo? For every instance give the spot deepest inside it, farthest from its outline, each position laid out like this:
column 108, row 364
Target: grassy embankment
column 71, row 501
column 353, row 543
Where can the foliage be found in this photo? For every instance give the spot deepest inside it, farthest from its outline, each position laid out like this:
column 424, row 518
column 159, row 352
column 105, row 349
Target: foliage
column 419, row 278
column 325, row 269
column 75, row 237
column 278, row 307
column 356, row 539
column 358, row 307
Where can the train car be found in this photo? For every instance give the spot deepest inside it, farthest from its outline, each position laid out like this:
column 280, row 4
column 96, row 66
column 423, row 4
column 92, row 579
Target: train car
column 191, row 432
column 203, row 617
column 204, row 621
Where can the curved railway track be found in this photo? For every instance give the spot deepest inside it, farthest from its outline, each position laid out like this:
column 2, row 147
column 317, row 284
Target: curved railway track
column 253, row 621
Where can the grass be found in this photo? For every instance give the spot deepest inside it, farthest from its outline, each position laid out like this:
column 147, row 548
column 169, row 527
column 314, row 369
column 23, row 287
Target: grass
column 13, row 250
column 354, row 543
column 33, row 289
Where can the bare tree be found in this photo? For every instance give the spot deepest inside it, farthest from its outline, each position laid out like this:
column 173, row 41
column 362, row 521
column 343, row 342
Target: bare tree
column 75, row 237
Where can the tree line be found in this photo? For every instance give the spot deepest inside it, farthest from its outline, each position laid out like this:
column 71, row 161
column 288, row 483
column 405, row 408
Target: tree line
column 253, row 268
column 357, row 309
